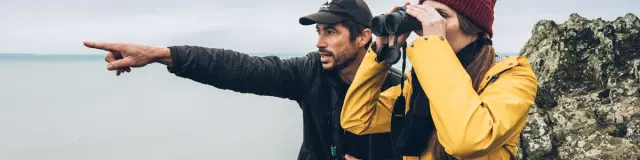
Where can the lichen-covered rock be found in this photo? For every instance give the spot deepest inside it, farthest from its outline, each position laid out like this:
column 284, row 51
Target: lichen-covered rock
column 537, row 136
column 588, row 101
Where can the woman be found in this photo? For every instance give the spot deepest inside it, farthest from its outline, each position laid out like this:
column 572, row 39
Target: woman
column 476, row 107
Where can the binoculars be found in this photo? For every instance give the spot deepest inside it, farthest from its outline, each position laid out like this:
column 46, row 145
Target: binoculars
column 395, row 23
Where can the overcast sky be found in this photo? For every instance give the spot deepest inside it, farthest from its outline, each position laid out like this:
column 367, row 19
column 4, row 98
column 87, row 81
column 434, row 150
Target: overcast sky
column 251, row 26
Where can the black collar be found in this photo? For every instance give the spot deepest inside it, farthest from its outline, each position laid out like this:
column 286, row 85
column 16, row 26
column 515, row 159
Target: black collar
column 469, row 52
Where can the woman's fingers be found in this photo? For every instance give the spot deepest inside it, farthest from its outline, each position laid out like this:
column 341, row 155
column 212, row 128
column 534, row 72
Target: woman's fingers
column 432, row 22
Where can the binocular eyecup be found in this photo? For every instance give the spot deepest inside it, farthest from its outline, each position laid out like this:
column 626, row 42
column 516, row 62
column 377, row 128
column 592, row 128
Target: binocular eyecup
column 397, row 22
column 389, row 54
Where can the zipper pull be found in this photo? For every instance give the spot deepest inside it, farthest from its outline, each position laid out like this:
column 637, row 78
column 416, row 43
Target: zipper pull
column 333, row 150
column 493, row 79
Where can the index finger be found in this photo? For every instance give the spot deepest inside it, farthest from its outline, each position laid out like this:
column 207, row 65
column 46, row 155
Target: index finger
column 430, row 10
column 392, row 10
column 396, row 7
column 103, row 46
column 407, row 3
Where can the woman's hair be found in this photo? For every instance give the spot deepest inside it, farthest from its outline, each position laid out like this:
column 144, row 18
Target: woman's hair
column 481, row 63
column 484, row 59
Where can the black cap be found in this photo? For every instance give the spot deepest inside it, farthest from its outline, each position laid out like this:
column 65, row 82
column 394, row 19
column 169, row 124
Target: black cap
column 334, row 11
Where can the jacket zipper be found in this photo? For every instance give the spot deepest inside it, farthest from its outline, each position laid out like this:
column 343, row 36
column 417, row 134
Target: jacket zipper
column 493, row 79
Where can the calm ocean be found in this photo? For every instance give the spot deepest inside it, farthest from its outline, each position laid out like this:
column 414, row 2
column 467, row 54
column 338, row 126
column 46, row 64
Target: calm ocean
column 72, row 108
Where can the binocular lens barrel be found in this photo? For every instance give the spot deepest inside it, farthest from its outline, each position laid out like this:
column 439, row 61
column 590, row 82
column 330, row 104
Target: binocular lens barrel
column 377, row 25
column 393, row 21
column 397, row 22
column 400, row 23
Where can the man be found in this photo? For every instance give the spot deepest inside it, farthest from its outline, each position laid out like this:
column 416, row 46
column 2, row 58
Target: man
column 317, row 81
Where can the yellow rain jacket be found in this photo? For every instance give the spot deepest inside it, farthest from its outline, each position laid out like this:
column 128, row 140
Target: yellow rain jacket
column 469, row 125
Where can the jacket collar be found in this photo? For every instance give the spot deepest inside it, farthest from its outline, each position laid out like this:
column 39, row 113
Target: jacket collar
column 498, row 68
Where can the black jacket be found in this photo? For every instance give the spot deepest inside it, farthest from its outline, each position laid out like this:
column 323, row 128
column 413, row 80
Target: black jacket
column 320, row 94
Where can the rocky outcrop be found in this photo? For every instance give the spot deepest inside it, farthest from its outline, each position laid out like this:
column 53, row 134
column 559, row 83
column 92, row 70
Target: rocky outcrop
column 588, row 101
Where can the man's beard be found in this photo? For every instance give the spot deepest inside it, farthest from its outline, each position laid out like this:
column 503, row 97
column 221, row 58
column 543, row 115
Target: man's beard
column 341, row 61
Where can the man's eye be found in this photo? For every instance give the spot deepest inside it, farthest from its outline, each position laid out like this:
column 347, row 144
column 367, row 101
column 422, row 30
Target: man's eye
column 331, row 32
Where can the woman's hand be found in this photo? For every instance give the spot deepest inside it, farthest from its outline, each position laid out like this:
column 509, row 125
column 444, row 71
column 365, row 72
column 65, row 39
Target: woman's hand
column 384, row 39
column 432, row 22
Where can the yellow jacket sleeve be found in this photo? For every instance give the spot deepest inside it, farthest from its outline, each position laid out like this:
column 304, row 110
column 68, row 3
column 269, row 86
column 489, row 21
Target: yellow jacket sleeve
column 469, row 124
column 366, row 110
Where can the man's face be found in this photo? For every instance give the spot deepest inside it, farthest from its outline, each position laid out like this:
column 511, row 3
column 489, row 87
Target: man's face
column 336, row 50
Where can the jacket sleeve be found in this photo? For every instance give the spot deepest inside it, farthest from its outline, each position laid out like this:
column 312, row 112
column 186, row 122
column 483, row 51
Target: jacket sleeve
column 227, row 69
column 468, row 124
column 365, row 109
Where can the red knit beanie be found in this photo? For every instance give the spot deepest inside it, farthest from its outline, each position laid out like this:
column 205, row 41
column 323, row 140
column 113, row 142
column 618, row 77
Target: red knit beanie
column 480, row 12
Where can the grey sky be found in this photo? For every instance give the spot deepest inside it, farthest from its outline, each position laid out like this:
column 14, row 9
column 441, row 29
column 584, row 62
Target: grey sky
column 59, row 27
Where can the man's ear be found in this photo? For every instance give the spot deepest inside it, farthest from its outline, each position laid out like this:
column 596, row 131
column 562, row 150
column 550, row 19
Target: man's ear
column 365, row 37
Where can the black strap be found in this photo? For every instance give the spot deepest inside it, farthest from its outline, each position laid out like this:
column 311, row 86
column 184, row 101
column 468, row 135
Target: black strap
column 403, row 48
column 404, row 65
column 379, row 51
column 399, row 107
column 404, row 61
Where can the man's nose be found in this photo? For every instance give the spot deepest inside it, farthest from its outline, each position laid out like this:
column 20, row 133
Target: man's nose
column 321, row 43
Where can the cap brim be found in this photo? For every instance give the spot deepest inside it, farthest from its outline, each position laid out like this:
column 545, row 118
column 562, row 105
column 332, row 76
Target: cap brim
column 321, row 17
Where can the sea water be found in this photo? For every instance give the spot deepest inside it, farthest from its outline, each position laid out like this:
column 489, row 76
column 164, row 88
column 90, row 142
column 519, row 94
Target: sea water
column 72, row 108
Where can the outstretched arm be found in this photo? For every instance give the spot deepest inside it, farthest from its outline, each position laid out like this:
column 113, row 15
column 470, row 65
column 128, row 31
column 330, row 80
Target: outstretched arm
column 225, row 69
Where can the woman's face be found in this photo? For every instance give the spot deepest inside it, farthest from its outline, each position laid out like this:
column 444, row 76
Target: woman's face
column 456, row 37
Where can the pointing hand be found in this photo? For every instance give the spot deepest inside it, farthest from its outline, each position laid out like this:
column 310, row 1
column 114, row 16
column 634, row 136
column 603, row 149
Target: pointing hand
column 122, row 56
